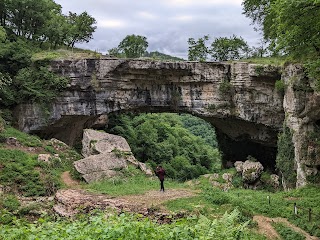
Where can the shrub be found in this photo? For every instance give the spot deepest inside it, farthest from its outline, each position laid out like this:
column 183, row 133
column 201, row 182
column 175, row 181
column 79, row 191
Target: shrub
column 285, row 157
column 216, row 196
column 225, row 87
column 280, row 85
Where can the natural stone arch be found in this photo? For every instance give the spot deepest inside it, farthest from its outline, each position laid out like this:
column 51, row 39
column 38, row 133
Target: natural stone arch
column 239, row 99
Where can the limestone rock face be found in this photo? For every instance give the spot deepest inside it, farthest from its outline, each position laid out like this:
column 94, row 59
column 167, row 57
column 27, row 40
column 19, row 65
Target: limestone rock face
column 227, row 95
column 238, row 99
column 301, row 104
column 105, row 154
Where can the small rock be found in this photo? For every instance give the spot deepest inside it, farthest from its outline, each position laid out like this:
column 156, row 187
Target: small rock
column 44, row 157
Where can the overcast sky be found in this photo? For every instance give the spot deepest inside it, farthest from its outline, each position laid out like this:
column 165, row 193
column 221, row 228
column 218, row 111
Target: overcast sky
column 167, row 24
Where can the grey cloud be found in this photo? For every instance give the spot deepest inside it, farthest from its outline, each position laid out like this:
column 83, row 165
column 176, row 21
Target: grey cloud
column 165, row 32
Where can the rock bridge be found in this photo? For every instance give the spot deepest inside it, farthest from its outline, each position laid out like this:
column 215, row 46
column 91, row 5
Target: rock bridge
column 238, row 99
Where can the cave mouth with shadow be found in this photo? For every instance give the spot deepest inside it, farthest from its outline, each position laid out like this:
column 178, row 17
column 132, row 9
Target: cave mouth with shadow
column 241, row 149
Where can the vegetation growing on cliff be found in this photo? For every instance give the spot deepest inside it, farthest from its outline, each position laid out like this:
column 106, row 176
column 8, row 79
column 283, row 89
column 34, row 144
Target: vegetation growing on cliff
column 285, row 158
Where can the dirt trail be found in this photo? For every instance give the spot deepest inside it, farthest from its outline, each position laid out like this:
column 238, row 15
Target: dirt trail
column 265, row 227
column 156, row 198
column 68, row 181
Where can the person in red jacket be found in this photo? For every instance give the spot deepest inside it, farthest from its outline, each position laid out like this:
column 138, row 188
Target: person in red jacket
column 160, row 172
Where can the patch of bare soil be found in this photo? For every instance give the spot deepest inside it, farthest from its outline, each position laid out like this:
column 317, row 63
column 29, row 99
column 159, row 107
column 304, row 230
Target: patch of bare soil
column 73, row 201
column 32, row 150
column 68, row 181
column 154, row 199
column 265, row 227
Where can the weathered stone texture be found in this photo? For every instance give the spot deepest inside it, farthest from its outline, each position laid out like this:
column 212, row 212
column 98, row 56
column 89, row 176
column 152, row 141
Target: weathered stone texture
column 105, row 155
column 247, row 115
column 95, row 142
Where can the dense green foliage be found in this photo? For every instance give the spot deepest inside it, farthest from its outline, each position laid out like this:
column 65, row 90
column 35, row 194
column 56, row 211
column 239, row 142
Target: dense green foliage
column 27, row 27
column 198, row 51
column 285, row 158
column 287, row 233
column 291, row 27
column 163, row 139
column 233, row 48
column 221, row 49
column 132, row 46
column 128, row 226
column 41, row 21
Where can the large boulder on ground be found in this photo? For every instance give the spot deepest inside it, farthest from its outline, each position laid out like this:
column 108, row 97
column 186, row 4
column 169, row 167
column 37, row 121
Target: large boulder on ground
column 102, row 166
column 105, row 154
column 251, row 171
column 96, row 142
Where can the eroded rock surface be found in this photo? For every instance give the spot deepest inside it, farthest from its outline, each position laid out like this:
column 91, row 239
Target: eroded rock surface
column 95, row 142
column 105, row 155
column 239, row 99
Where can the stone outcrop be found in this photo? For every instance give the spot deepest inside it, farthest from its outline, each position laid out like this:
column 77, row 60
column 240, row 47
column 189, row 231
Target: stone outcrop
column 105, row 154
column 239, row 99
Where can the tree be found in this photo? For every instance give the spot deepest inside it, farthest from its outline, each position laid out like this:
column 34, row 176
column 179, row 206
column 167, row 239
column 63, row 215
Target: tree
column 26, row 18
column 296, row 28
column 291, row 26
column 81, row 28
column 198, row 50
column 133, row 46
column 224, row 49
column 56, row 30
column 3, row 34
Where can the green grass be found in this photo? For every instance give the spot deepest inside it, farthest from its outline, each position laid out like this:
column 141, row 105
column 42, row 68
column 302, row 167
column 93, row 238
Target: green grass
column 214, row 202
column 61, row 54
column 130, row 185
column 286, row 232
column 23, row 138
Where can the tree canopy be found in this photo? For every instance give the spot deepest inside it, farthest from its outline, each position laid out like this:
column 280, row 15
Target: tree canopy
column 184, row 145
column 233, row 48
column 198, row 50
column 42, row 21
column 292, row 27
column 132, row 46
column 221, row 49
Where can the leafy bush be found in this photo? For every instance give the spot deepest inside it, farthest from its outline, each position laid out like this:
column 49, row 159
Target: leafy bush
column 280, row 85
column 216, row 196
column 38, row 84
column 9, row 202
